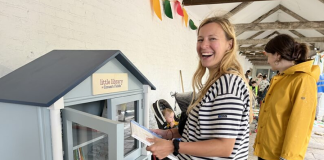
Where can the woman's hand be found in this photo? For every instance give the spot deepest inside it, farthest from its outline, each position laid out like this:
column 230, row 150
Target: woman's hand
column 160, row 132
column 160, row 148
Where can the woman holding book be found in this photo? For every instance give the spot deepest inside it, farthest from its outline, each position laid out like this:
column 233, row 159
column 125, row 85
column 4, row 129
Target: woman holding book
column 218, row 120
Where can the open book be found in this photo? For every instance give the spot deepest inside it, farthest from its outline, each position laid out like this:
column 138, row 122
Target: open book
column 141, row 133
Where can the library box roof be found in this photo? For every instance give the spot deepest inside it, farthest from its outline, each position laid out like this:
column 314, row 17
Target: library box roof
column 49, row 77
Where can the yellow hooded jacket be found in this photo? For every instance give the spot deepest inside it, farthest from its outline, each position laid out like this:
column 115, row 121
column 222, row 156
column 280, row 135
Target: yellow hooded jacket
column 287, row 114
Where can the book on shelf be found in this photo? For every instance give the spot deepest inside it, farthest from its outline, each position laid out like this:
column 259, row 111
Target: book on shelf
column 141, row 133
column 78, row 154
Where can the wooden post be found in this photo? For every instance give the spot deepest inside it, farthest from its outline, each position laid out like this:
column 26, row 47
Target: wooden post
column 181, row 81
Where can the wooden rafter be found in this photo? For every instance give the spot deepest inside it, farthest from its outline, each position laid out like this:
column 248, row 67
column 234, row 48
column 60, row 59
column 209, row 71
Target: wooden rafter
column 320, row 31
column 258, row 59
column 256, row 34
column 258, row 20
column 204, row 2
column 273, row 33
column 244, row 49
column 237, row 9
column 264, row 41
column 280, row 25
column 297, row 33
column 261, row 64
column 261, row 18
column 298, row 17
column 251, row 55
column 293, row 14
column 262, row 60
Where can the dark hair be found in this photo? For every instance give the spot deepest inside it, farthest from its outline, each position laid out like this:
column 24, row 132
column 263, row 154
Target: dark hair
column 253, row 82
column 248, row 71
column 288, row 48
column 264, row 76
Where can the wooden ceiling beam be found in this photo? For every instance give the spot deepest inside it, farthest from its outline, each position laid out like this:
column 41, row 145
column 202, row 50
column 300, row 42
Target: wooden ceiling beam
column 296, row 16
column 256, row 34
column 205, row 2
column 279, row 26
column 297, row 33
column 261, row 64
column 293, row 14
column 320, row 31
column 270, row 35
column 261, row 49
column 237, row 9
column 264, row 41
column 321, row 1
column 261, row 18
column 244, row 49
column 258, row 58
column 275, row 32
column 254, row 56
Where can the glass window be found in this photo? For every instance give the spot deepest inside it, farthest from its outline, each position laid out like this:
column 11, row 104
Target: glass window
column 125, row 113
column 262, row 71
column 89, row 143
column 272, row 73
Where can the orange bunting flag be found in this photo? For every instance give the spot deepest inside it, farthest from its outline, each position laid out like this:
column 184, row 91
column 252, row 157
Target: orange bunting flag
column 185, row 16
column 178, row 7
column 157, row 8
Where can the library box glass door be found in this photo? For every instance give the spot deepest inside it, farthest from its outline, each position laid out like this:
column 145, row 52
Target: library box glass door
column 100, row 130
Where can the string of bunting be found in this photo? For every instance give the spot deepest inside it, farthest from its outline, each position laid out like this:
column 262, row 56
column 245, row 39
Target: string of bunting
column 168, row 11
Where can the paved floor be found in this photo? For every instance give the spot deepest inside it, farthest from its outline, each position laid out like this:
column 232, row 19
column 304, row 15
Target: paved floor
column 315, row 149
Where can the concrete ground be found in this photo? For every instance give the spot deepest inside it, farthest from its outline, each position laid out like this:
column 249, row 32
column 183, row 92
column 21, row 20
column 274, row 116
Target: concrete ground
column 315, row 149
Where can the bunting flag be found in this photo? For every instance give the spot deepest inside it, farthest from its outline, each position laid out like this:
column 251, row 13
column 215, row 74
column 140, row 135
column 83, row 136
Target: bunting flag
column 167, row 9
column 185, row 16
column 192, row 25
column 178, row 8
column 157, row 8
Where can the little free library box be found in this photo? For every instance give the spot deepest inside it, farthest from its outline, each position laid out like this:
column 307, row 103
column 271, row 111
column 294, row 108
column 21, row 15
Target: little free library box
column 73, row 104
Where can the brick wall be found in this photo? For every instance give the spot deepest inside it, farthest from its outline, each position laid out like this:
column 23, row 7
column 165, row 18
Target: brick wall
column 31, row 28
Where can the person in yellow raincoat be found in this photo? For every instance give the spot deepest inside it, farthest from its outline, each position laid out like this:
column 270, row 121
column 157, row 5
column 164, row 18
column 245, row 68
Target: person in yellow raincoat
column 287, row 113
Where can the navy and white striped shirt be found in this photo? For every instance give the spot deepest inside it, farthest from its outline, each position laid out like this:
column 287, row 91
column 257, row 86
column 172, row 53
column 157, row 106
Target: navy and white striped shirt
column 222, row 113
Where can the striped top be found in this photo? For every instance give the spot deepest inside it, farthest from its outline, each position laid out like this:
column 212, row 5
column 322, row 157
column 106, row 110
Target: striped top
column 222, row 113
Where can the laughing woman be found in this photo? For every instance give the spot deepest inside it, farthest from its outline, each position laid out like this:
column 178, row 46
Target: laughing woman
column 217, row 126
column 288, row 110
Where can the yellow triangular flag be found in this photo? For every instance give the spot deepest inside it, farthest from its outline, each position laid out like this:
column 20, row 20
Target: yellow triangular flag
column 185, row 16
column 157, row 8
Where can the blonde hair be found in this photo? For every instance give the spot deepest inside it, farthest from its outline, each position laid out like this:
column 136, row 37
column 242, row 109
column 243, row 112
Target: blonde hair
column 228, row 64
column 167, row 110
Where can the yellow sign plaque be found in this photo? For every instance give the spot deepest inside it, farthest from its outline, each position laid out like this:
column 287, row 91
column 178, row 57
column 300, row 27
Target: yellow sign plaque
column 109, row 82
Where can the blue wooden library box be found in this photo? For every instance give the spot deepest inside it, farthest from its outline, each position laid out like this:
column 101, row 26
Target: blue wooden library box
column 73, row 105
